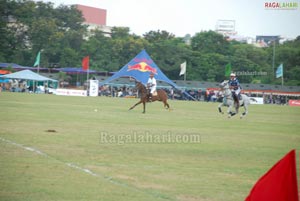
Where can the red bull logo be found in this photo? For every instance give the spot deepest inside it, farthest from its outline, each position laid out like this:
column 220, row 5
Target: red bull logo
column 143, row 67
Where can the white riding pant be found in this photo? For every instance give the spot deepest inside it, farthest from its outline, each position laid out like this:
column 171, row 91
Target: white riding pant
column 238, row 91
column 152, row 90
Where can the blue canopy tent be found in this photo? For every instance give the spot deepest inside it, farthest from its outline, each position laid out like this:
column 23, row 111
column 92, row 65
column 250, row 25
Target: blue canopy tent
column 72, row 70
column 140, row 68
column 19, row 67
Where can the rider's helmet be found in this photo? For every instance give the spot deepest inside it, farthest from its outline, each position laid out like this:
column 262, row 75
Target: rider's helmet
column 232, row 76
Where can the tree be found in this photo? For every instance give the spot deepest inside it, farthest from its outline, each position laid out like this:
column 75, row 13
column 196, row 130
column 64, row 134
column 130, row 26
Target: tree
column 34, row 26
column 158, row 36
column 168, row 52
column 27, row 27
column 210, row 42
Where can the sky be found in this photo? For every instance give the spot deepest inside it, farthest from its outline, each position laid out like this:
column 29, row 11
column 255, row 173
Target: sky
column 181, row 17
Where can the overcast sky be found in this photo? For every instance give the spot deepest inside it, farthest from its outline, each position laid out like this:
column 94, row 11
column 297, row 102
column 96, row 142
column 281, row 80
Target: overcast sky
column 182, row 17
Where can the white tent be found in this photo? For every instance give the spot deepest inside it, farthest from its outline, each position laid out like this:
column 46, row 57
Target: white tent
column 30, row 76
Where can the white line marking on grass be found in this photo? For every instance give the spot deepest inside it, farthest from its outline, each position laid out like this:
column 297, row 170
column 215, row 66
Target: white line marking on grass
column 82, row 169
column 72, row 165
column 24, row 147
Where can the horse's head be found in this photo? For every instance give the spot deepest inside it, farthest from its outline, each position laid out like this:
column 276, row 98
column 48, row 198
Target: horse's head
column 139, row 86
column 224, row 84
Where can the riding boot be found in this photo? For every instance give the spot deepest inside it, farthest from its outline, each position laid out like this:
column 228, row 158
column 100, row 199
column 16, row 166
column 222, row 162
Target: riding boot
column 237, row 100
column 150, row 97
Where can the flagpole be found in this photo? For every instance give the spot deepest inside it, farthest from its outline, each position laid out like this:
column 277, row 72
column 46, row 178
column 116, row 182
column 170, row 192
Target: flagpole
column 273, row 59
column 282, row 77
column 87, row 74
column 185, row 71
column 87, row 81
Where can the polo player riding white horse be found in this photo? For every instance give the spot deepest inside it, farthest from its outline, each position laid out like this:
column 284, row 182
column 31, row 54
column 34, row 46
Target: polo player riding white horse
column 229, row 102
column 235, row 88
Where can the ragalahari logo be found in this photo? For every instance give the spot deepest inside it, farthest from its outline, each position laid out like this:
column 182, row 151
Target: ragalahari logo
column 143, row 67
column 281, row 5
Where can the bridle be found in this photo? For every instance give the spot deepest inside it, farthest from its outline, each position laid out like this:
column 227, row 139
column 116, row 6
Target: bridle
column 141, row 88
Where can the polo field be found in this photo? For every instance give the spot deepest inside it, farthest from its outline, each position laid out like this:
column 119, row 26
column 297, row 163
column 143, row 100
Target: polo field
column 94, row 148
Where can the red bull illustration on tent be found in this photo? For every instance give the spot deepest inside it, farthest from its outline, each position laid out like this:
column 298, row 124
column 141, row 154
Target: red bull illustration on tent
column 140, row 68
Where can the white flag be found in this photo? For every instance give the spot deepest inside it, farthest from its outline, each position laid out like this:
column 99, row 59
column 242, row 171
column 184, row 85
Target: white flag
column 182, row 68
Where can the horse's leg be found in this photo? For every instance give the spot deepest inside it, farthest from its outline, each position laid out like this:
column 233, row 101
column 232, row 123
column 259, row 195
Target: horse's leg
column 136, row 104
column 220, row 109
column 245, row 112
column 161, row 96
column 144, row 106
column 236, row 107
column 229, row 111
column 166, row 105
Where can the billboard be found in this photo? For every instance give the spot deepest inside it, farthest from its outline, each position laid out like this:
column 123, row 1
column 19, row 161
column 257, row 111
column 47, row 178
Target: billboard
column 294, row 102
column 70, row 92
column 94, row 88
column 268, row 39
column 225, row 25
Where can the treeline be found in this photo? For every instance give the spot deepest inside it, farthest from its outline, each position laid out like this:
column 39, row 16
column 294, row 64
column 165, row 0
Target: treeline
column 27, row 27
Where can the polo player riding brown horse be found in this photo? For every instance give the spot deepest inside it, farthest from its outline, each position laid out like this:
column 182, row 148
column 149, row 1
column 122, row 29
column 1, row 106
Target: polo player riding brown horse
column 160, row 95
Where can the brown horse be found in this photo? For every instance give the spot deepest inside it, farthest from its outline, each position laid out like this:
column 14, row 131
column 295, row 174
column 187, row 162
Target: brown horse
column 160, row 96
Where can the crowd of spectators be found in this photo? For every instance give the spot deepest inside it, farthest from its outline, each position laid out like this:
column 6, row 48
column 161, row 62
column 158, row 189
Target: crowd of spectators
column 15, row 85
column 189, row 94
column 276, row 99
column 129, row 91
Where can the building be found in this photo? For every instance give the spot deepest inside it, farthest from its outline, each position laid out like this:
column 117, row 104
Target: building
column 265, row 41
column 95, row 18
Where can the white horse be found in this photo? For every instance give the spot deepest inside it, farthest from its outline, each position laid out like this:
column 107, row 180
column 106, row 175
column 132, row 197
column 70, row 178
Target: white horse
column 230, row 103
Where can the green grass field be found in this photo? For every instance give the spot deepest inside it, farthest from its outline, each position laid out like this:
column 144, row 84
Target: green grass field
column 93, row 155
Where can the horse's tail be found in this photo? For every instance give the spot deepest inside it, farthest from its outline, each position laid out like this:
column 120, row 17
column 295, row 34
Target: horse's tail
column 253, row 99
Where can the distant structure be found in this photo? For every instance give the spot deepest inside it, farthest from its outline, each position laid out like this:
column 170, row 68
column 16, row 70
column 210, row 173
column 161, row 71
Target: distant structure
column 226, row 27
column 265, row 41
column 95, row 18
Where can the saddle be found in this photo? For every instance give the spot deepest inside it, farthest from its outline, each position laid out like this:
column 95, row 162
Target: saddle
column 236, row 98
column 149, row 96
column 153, row 94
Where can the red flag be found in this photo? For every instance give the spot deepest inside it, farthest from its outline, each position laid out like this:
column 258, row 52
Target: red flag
column 85, row 63
column 279, row 183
